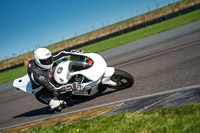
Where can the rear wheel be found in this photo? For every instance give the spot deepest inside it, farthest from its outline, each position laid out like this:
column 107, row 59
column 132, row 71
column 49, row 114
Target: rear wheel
column 123, row 79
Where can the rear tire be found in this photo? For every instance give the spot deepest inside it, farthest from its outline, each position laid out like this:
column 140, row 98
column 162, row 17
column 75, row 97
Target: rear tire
column 123, row 79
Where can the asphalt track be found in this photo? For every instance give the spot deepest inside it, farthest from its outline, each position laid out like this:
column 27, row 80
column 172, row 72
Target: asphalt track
column 165, row 65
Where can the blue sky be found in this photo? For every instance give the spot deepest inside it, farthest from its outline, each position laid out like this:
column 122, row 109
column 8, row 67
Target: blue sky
column 27, row 24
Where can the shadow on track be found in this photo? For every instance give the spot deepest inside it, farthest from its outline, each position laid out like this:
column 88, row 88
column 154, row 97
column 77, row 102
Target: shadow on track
column 79, row 100
column 46, row 110
column 36, row 112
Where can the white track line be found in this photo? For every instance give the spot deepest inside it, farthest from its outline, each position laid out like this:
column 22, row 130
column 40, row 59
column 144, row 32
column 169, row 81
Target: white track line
column 111, row 103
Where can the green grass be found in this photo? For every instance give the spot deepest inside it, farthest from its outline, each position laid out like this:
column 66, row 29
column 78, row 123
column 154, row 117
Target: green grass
column 12, row 74
column 119, row 40
column 184, row 119
column 144, row 32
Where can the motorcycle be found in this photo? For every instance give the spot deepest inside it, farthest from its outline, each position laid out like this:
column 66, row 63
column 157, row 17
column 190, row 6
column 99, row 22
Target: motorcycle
column 88, row 70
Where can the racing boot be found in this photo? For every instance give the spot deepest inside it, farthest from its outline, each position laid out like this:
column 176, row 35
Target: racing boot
column 57, row 105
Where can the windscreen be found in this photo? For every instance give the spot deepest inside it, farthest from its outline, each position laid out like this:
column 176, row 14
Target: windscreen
column 78, row 63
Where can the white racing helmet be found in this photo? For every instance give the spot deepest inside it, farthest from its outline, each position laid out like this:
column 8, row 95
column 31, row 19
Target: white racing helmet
column 43, row 58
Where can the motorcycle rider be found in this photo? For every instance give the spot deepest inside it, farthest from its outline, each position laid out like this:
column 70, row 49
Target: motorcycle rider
column 45, row 90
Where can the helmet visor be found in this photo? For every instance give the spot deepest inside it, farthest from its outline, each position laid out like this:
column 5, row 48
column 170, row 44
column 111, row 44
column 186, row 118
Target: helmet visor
column 47, row 61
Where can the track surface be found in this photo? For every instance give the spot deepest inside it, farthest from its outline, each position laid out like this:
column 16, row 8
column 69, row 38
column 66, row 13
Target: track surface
column 165, row 66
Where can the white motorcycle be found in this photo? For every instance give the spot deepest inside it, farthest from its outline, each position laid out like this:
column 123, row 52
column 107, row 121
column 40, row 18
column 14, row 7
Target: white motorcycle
column 88, row 70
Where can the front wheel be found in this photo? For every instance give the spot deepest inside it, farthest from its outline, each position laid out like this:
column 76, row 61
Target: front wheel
column 123, row 79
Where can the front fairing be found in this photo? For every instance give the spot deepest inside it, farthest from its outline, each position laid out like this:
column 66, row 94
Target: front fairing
column 62, row 73
column 90, row 65
column 97, row 69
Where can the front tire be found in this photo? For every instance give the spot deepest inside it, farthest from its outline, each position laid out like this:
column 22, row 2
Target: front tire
column 123, row 79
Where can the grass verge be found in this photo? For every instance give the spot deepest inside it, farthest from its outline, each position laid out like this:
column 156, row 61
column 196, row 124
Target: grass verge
column 144, row 32
column 12, row 74
column 167, row 120
column 119, row 40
